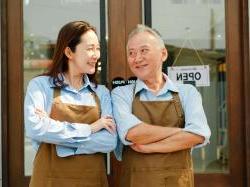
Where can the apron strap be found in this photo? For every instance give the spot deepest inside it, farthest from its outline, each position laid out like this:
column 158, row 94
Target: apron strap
column 97, row 100
column 177, row 103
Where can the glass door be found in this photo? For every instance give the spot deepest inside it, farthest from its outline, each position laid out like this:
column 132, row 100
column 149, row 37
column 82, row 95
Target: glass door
column 194, row 32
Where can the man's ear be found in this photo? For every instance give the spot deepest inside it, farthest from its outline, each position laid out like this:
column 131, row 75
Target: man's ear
column 164, row 54
column 68, row 52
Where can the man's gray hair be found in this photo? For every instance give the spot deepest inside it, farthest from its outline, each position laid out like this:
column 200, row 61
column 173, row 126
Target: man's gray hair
column 143, row 28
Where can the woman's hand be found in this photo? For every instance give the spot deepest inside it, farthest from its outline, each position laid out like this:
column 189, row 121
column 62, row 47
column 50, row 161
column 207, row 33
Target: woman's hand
column 41, row 113
column 104, row 123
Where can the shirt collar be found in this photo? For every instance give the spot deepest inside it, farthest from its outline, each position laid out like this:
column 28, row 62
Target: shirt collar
column 168, row 86
column 86, row 81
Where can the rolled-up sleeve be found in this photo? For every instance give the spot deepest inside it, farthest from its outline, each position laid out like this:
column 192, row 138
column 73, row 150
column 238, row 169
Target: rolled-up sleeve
column 122, row 108
column 195, row 118
column 45, row 129
column 101, row 141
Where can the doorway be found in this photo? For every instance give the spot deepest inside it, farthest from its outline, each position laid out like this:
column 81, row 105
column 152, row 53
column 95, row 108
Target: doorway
column 27, row 50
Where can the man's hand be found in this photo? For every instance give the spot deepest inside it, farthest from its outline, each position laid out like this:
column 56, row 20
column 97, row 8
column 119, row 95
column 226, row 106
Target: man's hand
column 141, row 148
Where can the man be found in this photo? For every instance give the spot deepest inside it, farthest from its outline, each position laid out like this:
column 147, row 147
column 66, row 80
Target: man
column 157, row 121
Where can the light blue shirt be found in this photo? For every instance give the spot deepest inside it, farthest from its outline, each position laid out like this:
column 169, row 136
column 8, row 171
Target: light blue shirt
column 122, row 98
column 70, row 138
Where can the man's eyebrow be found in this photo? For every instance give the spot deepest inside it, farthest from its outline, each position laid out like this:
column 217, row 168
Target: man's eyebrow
column 143, row 46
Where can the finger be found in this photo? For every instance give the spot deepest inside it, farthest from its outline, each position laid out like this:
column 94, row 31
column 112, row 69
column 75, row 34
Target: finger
column 112, row 127
column 135, row 148
column 108, row 129
column 40, row 110
column 109, row 120
column 108, row 117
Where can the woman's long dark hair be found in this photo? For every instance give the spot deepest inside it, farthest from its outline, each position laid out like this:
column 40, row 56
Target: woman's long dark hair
column 69, row 36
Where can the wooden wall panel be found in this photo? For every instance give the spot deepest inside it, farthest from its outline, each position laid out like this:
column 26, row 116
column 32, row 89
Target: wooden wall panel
column 116, row 39
column 246, row 40
column 235, row 92
column 123, row 15
column 4, row 93
column 15, row 92
column 133, row 17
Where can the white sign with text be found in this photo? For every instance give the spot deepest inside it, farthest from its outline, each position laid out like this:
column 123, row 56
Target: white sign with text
column 197, row 75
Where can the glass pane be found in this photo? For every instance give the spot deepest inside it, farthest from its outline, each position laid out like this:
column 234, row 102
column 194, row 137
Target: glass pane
column 42, row 21
column 194, row 34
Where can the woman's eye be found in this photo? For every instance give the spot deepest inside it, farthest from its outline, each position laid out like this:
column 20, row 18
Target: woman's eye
column 93, row 49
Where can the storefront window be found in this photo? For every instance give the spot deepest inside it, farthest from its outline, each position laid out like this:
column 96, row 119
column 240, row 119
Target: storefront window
column 194, row 34
column 42, row 21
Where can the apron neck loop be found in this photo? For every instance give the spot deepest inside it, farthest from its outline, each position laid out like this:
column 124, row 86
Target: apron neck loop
column 57, row 92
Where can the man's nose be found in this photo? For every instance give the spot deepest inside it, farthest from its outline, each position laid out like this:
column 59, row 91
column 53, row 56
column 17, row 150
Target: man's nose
column 138, row 57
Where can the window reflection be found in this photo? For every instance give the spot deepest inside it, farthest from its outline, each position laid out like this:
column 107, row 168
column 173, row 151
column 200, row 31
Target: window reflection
column 194, row 34
column 42, row 21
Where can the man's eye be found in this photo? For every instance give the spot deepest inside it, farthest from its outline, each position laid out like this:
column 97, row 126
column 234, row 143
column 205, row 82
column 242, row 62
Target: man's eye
column 143, row 51
column 131, row 53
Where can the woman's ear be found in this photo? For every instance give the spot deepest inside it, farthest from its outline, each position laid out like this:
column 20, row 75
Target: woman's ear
column 68, row 52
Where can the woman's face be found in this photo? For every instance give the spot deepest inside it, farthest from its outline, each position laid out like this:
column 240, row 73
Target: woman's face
column 86, row 54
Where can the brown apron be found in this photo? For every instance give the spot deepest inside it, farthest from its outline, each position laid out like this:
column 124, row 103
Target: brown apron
column 51, row 170
column 157, row 169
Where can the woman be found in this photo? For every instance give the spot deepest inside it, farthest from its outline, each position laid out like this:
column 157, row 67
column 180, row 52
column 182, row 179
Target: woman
column 71, row 140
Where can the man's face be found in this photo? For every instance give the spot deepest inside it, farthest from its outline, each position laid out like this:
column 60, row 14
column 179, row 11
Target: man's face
column 145, row 56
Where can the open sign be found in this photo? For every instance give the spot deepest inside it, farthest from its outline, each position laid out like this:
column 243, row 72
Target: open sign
column 197, row 74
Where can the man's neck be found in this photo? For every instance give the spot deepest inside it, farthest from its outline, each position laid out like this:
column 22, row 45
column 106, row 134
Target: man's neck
column 155, row 84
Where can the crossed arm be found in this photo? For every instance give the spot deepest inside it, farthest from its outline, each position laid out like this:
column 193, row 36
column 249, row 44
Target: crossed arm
column 148, row 138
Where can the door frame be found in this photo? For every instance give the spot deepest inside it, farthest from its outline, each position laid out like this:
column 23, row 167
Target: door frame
column 123, row 15
column 246, row 41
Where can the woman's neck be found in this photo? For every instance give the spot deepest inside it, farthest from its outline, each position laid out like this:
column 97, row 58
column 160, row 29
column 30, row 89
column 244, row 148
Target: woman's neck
column 74, row 80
